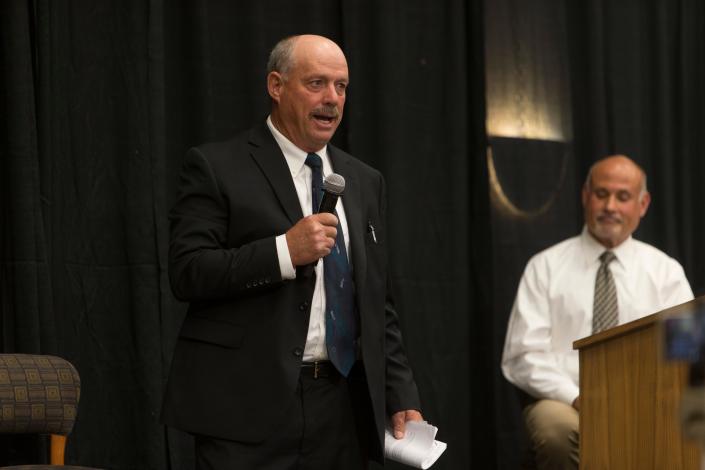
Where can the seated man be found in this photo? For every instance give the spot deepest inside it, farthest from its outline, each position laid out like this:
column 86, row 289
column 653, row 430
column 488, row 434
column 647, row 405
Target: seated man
column 583, row 285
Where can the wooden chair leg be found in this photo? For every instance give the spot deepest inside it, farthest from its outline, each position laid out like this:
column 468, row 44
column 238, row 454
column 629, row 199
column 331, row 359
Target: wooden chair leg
column 57, row 449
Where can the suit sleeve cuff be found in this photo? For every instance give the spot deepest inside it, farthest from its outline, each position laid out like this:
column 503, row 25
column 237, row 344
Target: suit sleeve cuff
column 285, row 265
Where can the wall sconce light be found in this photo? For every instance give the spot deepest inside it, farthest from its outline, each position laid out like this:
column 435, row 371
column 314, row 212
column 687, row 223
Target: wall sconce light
column 526, row 175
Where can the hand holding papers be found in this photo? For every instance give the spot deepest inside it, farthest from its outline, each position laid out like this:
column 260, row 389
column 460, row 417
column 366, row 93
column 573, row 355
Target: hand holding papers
column 418, row 448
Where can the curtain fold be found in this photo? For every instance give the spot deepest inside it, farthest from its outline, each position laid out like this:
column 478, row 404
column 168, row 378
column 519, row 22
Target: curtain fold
column 28, row 322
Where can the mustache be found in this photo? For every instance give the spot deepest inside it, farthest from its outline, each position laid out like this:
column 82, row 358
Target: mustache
column 327, row 111
column 609, row 218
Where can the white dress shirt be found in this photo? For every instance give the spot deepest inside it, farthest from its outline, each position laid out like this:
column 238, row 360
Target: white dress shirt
column 315, row 349
column 553, row 307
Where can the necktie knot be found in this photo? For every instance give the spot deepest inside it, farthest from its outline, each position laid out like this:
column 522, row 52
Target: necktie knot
column 607, row 257
column 314, row 161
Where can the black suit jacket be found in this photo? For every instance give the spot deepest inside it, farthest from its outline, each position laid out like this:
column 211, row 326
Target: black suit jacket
column 238, row 355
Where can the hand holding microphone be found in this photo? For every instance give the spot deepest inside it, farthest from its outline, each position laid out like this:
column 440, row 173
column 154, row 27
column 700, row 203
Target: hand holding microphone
column 313, row 237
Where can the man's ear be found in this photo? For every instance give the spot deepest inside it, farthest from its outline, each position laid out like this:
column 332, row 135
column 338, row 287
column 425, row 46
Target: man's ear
column 585, row 195
column 644, row 204
column 275, row 81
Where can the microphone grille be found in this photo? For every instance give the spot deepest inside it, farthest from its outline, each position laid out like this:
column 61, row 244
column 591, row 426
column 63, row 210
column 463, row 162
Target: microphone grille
column 334, row 183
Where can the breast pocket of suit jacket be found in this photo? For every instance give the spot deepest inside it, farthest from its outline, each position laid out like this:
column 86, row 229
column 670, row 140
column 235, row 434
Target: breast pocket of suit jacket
column 375, row 247
column 374, row 234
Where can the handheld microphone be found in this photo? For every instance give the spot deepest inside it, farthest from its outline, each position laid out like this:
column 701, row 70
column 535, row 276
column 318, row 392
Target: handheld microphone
column 333, row 187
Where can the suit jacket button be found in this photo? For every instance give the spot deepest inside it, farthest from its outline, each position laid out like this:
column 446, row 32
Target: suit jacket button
column 297, row 352
column 303, row 306
column 249, row 284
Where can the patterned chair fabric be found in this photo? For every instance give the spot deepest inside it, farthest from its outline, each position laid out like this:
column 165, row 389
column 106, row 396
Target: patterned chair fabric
column 38, row 394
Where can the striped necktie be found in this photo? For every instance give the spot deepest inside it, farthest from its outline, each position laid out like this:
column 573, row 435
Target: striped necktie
column 605, row 311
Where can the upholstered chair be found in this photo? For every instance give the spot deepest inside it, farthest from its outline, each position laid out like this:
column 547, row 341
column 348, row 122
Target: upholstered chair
column 39, row 395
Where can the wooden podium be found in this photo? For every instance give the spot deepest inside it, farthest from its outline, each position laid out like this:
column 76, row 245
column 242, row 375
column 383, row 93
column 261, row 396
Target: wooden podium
column 629, row 398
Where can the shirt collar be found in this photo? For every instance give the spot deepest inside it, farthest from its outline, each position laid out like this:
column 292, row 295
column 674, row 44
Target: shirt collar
column 294, row 156
column 592, row 249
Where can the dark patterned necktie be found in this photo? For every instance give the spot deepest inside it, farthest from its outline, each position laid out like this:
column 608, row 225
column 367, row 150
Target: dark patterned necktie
column 605, row 311
column 341, row 322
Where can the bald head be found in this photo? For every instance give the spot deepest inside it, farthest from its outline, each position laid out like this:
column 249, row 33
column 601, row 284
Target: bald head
column 614, row 199
column 623, row 160
column 282, row 56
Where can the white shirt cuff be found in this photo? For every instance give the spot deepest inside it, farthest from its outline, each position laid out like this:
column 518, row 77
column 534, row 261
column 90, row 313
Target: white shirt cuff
column 567, row 394
column 285, row 265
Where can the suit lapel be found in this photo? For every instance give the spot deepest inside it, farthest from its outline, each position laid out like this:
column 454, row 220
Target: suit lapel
column 352, row 201
column 268, row 156
column 271, row 161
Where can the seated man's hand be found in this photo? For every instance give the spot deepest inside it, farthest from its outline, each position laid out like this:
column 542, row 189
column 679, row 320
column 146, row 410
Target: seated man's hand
column 576, row 403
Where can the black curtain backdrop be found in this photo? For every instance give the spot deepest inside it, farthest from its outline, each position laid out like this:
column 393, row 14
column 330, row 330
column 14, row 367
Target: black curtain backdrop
column 99, row 102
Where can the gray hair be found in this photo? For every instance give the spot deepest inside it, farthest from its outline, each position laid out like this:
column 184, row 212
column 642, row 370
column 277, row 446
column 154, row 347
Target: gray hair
column 281, row 58
column 642, row 191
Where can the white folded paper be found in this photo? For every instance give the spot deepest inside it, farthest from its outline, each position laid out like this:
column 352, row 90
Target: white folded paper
column 418, row 448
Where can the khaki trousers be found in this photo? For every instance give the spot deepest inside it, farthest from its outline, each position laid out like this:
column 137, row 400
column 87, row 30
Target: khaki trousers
column 553, row 432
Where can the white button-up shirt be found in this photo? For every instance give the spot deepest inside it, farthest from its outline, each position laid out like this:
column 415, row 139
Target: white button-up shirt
column 553, row 307
column 315, row 349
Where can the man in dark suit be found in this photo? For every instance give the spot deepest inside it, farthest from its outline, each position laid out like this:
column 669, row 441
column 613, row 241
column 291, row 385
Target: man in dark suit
column 290, row 355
